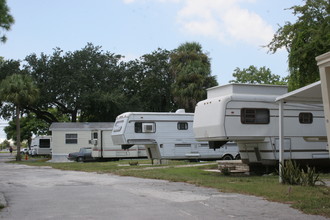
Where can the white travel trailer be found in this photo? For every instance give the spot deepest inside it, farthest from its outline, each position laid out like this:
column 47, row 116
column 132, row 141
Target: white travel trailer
column 166, row 136
column 40, row 145
column 249, row 115
column 104, row 148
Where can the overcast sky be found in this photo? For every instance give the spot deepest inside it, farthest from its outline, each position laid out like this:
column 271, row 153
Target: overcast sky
column 232, row 32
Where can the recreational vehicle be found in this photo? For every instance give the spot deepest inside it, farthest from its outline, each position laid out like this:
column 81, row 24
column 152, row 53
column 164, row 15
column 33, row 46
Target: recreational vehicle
column 40, row 145
column 249, row 115
column 104, row 148
column 166, row 136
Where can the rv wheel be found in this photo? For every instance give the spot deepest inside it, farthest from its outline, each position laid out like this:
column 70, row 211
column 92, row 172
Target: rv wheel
column 80, row 159
column 238, row 157
column 227, row 157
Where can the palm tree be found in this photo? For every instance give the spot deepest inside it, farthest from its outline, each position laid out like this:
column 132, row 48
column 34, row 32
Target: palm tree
column 20, row 90
column 191, row 68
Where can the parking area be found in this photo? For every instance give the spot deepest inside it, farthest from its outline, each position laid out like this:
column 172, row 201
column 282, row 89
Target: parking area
column 46, row 193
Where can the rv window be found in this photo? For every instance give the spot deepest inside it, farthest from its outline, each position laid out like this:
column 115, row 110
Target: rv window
column 182, row 126
column 254, row 116
column 306, row 118
column 94, row 135
column 44, row 143
column 140, row 127
column 71, row 138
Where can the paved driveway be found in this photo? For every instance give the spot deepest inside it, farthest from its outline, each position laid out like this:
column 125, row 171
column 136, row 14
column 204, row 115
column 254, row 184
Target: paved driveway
column 46, row 193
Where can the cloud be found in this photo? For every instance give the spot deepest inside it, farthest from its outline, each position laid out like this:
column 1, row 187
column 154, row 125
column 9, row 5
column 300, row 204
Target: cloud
column 224, row 20
column 247, row 26
column 165, row 1
column 128, row 1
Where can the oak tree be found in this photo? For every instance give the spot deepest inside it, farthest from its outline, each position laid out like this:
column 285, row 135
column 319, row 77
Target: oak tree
column 304, row 40
column 253, row 75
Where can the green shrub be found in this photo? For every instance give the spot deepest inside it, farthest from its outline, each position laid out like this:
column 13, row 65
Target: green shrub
column 133, row 163
column 310, row 178
column 292, row 174
column 225, row 171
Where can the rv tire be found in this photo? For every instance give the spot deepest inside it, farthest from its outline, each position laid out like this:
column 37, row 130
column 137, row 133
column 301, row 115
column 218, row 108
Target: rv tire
column 227, row 157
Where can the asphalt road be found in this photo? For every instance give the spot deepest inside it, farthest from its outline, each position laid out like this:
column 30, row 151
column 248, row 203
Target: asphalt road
column 46, row 193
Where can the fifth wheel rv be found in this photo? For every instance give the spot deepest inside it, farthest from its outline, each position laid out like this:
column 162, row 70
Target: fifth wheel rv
column 249, row 115
column 166, row 136
column 40, row 145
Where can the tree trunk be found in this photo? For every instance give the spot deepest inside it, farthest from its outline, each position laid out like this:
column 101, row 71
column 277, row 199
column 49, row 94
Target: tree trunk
column 74, row 116
column 18, row 133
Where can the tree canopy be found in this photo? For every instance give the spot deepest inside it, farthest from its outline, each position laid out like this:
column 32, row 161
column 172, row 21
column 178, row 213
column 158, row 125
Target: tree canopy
column 30, row 125
column 148, row 81
column 191, row 70
column 6, row 20
column 20, row 90
column 305, row 39
column 95, row 85
column 253, row 75
column 75, row 83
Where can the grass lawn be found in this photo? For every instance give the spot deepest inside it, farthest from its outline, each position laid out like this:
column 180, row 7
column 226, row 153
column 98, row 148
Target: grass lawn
column 310, row 200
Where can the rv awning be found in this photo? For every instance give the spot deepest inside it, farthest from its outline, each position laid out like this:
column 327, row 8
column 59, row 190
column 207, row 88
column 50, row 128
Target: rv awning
column 310, row 93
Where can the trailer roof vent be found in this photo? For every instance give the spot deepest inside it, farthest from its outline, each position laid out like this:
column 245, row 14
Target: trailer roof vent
column 180, row 111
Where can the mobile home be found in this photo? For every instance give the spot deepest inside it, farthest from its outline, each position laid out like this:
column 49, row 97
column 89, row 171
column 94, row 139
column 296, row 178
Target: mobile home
column 70, row 137
column 249, row 115
column 40, row 145
column 166, row 136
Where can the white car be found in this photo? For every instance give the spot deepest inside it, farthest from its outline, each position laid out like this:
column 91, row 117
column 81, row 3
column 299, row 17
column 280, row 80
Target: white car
column 24, row 150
